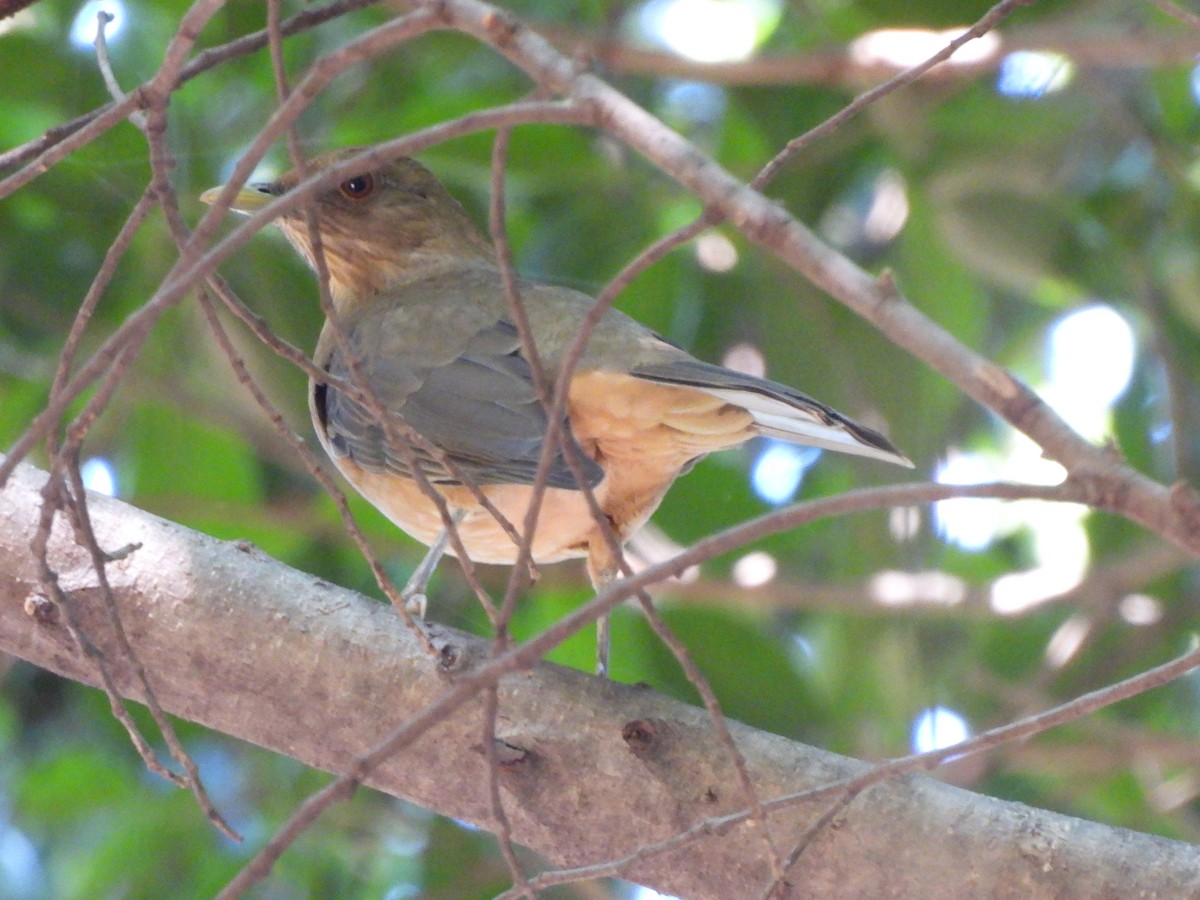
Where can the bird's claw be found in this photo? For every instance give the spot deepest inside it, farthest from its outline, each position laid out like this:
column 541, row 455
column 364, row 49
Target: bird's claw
column 416, row 604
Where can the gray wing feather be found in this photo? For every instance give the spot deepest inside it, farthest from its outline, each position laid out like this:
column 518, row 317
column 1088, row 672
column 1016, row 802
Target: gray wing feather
column 480, row 409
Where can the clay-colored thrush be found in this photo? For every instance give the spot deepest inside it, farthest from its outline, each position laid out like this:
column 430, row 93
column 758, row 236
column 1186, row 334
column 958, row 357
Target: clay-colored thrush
column 419, row 295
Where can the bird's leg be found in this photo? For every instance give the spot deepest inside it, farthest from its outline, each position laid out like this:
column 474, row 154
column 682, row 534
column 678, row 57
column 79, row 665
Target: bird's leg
column 603, row 644
column 413, row 594
column 603, row 569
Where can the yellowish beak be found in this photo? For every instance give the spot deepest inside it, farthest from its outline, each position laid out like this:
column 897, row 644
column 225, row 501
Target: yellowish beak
column 249, row 199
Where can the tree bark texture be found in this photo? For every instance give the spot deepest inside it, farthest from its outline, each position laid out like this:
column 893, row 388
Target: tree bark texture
column 591, row 770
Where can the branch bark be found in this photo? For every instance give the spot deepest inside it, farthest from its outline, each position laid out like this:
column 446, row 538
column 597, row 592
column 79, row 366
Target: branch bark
column 593, row 770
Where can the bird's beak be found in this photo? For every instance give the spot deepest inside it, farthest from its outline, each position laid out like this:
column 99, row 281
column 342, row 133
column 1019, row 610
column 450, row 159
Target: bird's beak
column 249, row 199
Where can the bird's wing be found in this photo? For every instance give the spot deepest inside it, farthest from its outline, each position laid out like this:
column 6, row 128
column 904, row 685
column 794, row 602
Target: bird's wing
column 480, row 408
column 778, row 410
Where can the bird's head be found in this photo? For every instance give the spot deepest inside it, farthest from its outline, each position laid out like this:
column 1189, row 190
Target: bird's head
column 379, row 227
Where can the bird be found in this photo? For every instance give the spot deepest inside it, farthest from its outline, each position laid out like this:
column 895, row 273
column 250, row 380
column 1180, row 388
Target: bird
column 422, row 321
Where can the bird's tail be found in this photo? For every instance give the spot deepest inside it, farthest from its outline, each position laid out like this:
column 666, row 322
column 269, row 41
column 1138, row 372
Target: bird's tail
column 778, row 411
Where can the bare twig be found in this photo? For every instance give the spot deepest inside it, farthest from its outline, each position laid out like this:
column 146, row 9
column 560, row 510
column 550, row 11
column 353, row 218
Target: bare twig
column 503, row 828
column 398, row 434
column 86, row 536
column 986, row 23
column 311, row 464
column 691, row 671
column 52, row 501
column 1175, row 11
column 111, row 114
column 523, row 567
column 104, row 275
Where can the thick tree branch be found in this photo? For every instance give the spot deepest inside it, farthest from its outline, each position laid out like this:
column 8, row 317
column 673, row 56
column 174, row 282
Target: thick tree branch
column 245, row 645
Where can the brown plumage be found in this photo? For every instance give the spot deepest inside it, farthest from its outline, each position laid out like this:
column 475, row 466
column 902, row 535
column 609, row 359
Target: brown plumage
column 420, row 297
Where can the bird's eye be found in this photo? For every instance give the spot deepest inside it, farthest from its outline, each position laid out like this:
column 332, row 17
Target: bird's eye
column 359, row 187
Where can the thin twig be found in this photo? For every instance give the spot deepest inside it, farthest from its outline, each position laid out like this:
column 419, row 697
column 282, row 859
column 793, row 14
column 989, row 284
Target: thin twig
column 399, row 435
column 260, row 866
column 86, row 536
column 1175, row 11
column 200, row 63
column 52, row 502
column 503, row 827
column 314, row 468
column 993, row 17
column 521, row 572
column 522, row 569
column 100, row 282
column 103, row 18
column 691, row 671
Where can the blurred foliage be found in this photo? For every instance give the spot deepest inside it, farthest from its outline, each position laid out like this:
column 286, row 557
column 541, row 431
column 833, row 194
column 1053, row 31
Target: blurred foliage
column 1019, row 209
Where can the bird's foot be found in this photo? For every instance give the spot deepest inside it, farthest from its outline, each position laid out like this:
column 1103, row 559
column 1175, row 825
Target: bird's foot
column 413, row 594
column 415, row 603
